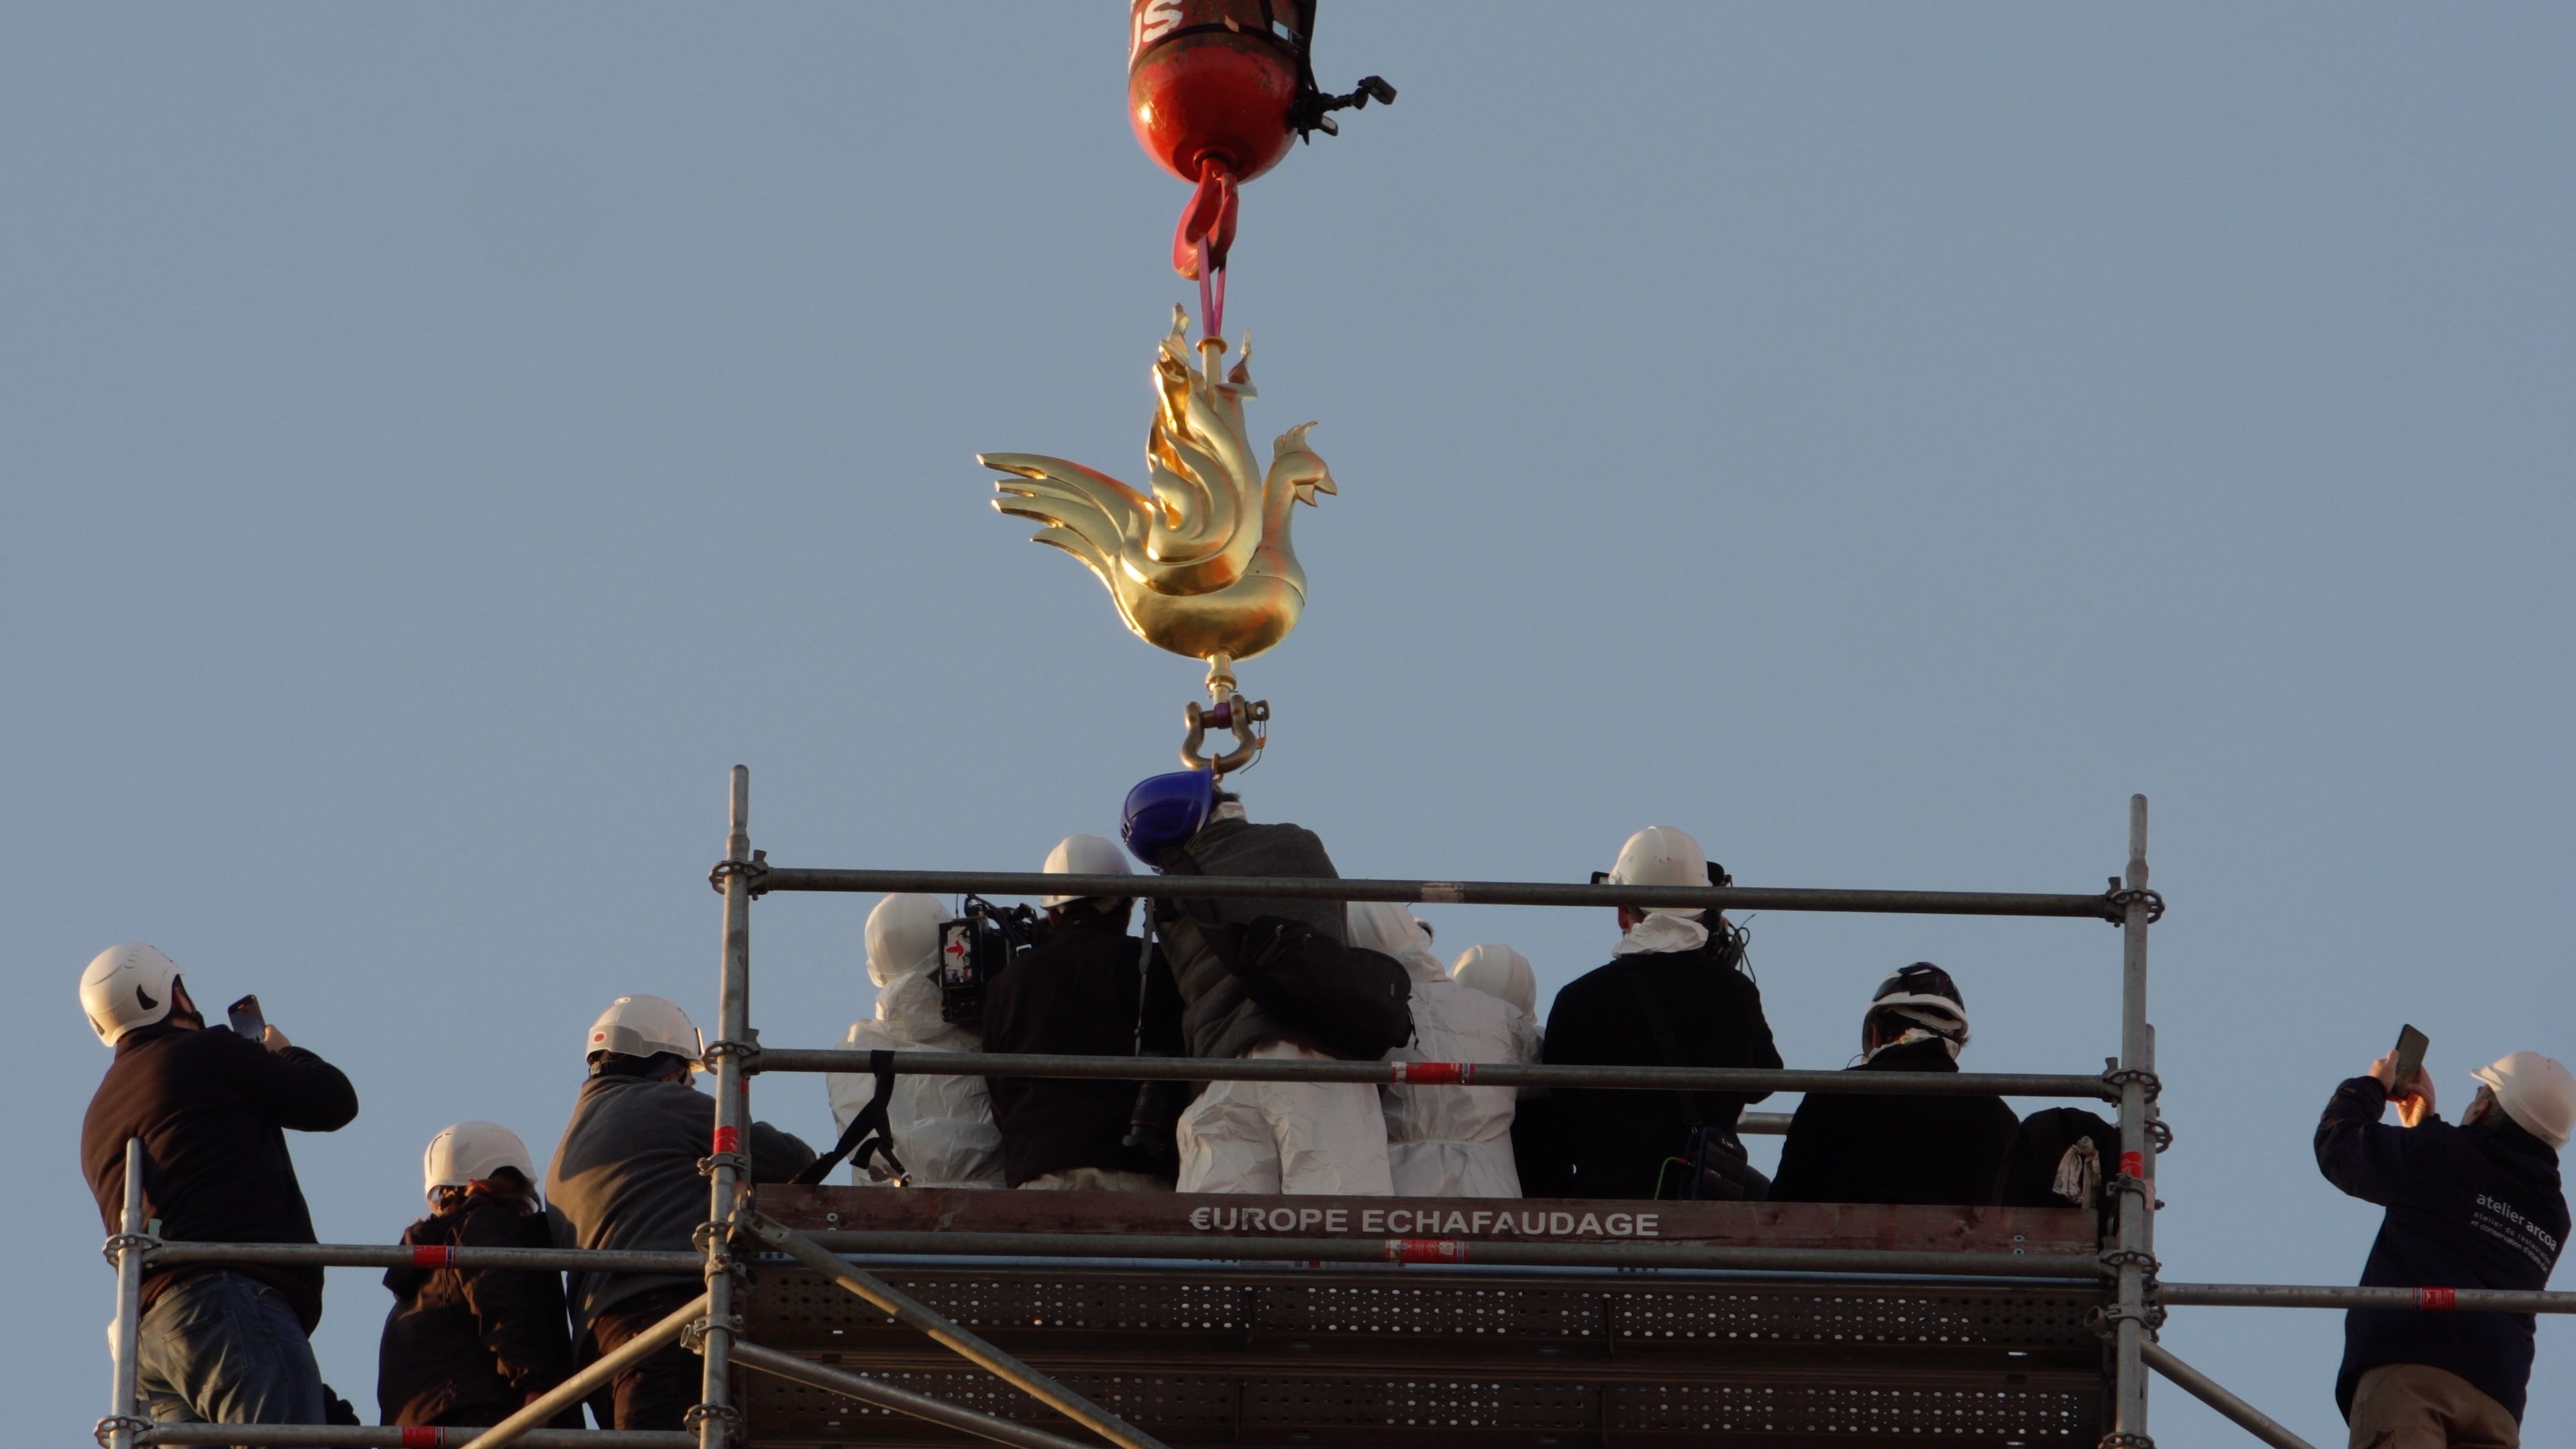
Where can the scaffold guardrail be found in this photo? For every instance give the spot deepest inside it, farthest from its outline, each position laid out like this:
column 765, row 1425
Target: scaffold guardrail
column 737, row 1235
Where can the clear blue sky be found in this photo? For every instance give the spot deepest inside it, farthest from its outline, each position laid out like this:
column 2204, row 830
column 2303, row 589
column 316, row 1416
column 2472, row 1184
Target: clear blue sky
column 439, row 441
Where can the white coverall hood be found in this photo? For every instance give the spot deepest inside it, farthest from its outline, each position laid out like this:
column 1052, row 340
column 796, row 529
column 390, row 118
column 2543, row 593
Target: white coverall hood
column 1391, row 930
column 1499, row 972
column 903, row 959
column 943, row 1126
column 1444, row 1141
column 1660, row 855
column 1505, row 975
column 1661, row 931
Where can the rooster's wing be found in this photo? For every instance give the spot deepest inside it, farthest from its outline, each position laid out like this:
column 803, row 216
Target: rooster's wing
column 1087, row 513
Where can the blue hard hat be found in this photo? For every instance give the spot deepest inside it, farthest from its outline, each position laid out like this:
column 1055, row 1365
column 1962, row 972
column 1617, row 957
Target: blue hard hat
column 1164, row 811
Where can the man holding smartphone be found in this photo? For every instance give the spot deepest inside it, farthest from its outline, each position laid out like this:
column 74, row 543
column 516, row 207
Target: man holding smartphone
column 2478, row 1205
column 220, row 1343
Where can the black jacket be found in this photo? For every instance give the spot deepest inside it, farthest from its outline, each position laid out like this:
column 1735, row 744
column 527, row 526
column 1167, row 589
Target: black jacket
column 1847, row 1147
column 1218, row 1016
column 468, row 1345
column 213, row 1110
column 1076, row 995
column 2468, row 1207
column 625, row 1175
column 1615, row 1142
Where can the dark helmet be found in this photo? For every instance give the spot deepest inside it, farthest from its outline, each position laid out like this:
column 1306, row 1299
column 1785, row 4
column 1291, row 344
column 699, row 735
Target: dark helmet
column 1924, row 995
column 1921, row 984
column 1164, row 811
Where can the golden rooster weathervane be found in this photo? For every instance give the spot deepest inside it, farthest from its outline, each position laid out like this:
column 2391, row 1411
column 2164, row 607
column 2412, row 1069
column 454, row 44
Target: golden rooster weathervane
column 1201, row 565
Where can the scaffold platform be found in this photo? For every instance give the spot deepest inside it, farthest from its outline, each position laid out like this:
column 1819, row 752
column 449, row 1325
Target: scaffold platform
column 1442, row 1353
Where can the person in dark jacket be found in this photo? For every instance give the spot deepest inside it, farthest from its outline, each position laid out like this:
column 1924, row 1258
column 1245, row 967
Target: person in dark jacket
column 219, row 1343
column 1254, row 1137
column 474, row 1345
column 2478, row 1205
column 1675, row 994
column 1853, row 1147
column 2059, row 1159
column 1077, row 993
column 625, row 1176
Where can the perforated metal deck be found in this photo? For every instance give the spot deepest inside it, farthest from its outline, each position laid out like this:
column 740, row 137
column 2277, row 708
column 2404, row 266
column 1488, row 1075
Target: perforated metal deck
column 1224, row 1354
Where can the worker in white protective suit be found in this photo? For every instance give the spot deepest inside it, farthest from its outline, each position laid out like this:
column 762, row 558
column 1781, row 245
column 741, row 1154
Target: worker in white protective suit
column 943, row 1127
column 1505, row 975
column 1537, row 1137
column 1252, row 1137
column 1443, row 1141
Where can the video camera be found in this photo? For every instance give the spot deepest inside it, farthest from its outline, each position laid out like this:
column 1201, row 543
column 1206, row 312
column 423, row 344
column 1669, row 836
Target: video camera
column 975, row 949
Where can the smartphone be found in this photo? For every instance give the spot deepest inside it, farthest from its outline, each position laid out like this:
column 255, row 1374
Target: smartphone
column 247, row 1022
column 2410, row 1060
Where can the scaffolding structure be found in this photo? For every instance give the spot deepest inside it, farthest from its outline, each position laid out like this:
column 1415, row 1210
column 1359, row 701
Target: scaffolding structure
column 790, row 1238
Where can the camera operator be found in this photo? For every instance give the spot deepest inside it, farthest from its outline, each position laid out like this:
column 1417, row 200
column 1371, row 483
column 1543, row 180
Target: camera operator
column 1079, row 994
column 942, row 1127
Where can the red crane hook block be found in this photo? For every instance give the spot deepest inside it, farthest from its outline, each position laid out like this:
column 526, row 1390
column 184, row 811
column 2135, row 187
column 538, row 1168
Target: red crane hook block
column 1217, row 91
column 1216, row 80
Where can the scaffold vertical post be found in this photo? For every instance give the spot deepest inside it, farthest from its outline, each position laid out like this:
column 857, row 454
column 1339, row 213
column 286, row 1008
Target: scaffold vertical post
column 727, row 1161
column 121, row 1420
column 2136, row 1242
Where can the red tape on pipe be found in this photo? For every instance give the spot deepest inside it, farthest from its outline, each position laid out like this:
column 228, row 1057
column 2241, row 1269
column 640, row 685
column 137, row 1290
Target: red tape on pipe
column 2133, row 1164
column 431, row 1255
column 2437, row 1300
column 417, row 1436
column 1435, row 1074
column 728, row 1139
column 1425, row 1250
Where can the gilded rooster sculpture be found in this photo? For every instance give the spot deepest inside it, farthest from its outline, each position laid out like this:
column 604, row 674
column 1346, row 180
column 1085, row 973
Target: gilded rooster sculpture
column 1200, row 565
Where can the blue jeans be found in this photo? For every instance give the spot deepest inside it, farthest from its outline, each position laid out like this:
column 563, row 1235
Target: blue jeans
column 219, row 1347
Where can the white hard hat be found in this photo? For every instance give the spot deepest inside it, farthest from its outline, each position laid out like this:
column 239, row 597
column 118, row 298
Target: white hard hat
column 639, row 1026
column 1083, row 855
column 1659, row 855
column 2536, row 1092
column 125, row 987
column 470, row 1152
column 1499, row 972
column 903, row 938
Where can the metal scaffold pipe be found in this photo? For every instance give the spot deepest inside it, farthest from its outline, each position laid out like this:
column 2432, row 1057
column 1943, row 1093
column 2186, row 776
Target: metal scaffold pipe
column 2202, row 1387
column 2134, row 1256
column 118, row 1429
column 1865, row 1262
column 1498, row 1074
column 368, row 1255
column 2427, row 1300
column 728, row 1168
column 395, row 1437
column 1440, row 892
